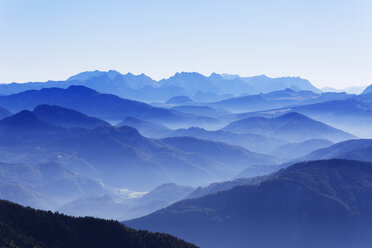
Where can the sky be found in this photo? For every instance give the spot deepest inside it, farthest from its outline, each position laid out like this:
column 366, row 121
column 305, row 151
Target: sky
column 327, row 42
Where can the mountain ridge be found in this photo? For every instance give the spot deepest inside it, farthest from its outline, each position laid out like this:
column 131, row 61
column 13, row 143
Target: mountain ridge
column 309, row 204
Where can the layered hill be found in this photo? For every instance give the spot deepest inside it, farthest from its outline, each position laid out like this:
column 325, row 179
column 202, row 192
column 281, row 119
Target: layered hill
column 118, row 155
column 104, row 106
column 252, row 142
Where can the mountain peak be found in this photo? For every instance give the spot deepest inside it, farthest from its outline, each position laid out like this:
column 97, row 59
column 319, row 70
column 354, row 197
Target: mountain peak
column 180, row 100
column 187, row 75
column 216, row 76
column 367, row 90
column 292, row 115
column 93, row 74
column 82, row 89
column 229, row 76
column 292, row 126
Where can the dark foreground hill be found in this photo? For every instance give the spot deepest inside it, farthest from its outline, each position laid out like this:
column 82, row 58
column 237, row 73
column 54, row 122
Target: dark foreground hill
column 325, row 203
column 26, row 227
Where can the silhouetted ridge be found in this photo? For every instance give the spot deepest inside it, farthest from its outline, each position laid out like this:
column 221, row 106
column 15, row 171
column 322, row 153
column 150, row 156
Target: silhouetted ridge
column 26, row 227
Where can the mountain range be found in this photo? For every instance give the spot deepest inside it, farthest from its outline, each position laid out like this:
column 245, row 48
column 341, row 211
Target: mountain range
column 104, row 106
column 253, row 139
column 277, row 99
column 143, row 88
column 219, row 160
column 116, row 154
column 252, row 142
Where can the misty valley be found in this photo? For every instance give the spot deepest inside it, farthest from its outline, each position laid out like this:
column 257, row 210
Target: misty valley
column 104, row 159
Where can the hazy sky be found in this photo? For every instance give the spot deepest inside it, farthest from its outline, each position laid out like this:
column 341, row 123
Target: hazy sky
column 328, row 42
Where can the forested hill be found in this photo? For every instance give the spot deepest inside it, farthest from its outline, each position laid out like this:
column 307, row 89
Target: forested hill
column 27, row 227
